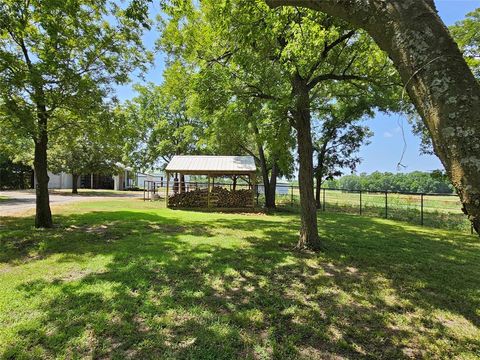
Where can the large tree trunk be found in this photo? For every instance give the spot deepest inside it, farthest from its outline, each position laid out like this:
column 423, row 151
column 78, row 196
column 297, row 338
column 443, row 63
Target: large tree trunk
column 318, row 189
column 436, row 76
column 74, row 183
column 43, row 217
column 272, row 188
column 309, row 231
column 182, row 183
column 267, row 183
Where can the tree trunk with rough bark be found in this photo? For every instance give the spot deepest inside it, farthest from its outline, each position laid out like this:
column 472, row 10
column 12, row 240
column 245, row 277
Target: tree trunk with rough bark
column 319, row 173
column 43, row 215
column 318, row 189
column 435, row 74
column 74, row 183
column 270, row 200
column 182, row 183
column 267, row 183
column 309, row 229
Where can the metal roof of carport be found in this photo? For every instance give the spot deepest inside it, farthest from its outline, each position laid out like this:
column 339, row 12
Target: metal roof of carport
column 209, row 164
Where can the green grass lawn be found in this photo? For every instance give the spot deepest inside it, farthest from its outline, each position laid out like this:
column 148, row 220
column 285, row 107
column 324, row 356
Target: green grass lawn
column 127, row 279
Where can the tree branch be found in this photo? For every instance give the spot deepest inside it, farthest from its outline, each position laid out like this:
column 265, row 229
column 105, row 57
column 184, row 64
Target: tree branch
column 342, row 77
column 327, row 48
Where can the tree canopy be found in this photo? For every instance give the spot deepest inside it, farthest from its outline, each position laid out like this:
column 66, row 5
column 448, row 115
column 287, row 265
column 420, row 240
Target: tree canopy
column 48, row 67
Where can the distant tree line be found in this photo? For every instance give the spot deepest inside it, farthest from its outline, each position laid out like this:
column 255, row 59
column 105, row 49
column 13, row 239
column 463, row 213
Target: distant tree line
column 14, row 175
column 415, row 182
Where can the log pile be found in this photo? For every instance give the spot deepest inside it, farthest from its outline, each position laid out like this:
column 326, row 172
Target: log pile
column 219, row 197
column 223, row 198
column 191, row 199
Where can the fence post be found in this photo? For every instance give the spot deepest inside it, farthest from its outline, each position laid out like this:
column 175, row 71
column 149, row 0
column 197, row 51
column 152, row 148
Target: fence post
column 323, row 199
column 291, row 195
column 360, row 202
column 421, row 210
column 386, row 205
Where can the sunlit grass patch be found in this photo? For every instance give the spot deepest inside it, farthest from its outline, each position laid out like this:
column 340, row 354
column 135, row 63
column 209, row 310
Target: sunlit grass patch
column 123, row 278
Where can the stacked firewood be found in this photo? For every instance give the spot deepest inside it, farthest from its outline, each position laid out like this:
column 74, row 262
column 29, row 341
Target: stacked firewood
column 223, row 198
column 191, row 199
column 219, row 197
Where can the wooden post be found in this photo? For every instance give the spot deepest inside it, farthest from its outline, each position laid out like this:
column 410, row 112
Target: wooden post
column 208, row 191
column 253, row 181
column 166, row 192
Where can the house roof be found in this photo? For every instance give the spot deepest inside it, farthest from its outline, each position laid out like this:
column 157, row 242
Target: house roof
column 207, row 164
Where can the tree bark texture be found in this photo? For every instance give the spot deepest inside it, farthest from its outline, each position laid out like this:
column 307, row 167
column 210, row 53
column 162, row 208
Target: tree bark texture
column 182, row 183
column 319, row 173
column 436, row 77
column 318, row 189
column 270, row 196
column 43, row 216
column 74, row 183
column 309, row 229
column 270, row 200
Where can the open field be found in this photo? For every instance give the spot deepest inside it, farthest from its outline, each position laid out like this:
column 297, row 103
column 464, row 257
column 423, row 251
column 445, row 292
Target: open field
column 438, row 211
column 121, row 278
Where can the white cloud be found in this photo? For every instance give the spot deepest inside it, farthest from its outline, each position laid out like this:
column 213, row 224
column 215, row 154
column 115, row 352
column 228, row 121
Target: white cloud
column 387, row 134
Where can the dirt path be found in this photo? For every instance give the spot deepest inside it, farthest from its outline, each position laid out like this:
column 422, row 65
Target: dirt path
column 19, row 202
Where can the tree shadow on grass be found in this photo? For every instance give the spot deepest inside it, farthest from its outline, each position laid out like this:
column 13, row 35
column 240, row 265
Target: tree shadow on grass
column 176, row 289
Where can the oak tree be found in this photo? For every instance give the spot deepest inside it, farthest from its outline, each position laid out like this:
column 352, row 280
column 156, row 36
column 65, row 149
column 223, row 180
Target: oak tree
column 60, row 56
column 435, row 75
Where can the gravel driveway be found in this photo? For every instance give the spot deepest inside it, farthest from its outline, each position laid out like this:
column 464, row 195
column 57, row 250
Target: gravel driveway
column 19, row 202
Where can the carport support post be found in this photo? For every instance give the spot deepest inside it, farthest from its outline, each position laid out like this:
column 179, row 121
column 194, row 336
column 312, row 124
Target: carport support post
column 208, row 191
column 166, row 190
column 253, row 180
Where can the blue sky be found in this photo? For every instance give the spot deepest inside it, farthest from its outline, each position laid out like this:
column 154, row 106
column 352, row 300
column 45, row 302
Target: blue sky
column 386, row 147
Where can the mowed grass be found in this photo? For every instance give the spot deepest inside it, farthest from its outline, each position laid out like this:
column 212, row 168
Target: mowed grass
column 127, row 279
column 444, row 212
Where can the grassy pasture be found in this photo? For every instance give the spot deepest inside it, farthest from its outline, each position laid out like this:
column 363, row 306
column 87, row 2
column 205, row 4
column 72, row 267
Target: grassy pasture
column 439, row 211
column 127, row 279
